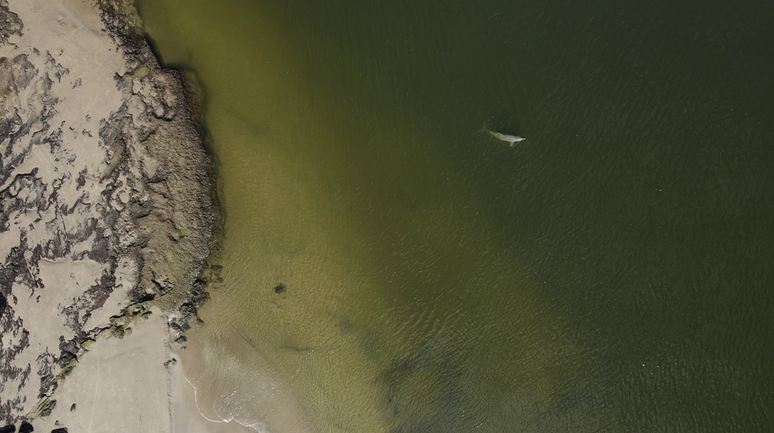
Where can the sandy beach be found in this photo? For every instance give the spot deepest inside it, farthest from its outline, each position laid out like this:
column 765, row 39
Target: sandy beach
column 106, row 222
column 132, row 384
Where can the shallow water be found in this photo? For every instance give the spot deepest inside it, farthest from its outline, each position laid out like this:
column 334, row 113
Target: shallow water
column 610, row 273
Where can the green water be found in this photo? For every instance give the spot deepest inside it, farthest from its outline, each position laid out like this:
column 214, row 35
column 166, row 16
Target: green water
column 613, row 272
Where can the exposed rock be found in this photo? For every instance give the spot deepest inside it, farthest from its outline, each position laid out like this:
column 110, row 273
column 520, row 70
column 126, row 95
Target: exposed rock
column 105, row 189
column 10, row 24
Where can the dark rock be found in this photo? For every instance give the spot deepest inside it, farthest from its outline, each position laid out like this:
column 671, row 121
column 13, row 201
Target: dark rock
column 26, row 427
column 72, row 408
column 67, row 346
column 187, row 310
column 10, row 23
column 59, row 430
column 47, row 408
column 280, row 288
column 117, row 18
column 8, row 429
column 118, row 331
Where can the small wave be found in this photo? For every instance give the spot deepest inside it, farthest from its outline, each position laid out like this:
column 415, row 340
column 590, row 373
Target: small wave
column 256, row 425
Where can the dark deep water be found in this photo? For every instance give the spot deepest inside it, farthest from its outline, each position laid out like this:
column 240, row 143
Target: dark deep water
column 613, row 272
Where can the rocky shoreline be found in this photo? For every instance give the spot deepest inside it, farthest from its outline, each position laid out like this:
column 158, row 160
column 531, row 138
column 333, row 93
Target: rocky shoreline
column 108, row 198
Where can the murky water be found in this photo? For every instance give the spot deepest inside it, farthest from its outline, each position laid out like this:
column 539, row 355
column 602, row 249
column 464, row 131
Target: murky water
column 389, row 267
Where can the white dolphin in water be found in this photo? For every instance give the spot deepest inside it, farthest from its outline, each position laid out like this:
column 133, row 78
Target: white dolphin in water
column 511, row 139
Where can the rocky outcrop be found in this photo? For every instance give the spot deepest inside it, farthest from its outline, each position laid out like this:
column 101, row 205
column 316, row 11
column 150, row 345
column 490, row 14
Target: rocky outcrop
column 105, row 188
column 10, row 24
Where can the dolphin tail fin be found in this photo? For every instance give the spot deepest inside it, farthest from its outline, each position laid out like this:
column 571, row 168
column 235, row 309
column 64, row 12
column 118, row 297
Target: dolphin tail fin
column 483, row 127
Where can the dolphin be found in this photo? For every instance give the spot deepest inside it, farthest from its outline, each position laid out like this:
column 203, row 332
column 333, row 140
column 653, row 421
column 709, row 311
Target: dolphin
column 511, row 139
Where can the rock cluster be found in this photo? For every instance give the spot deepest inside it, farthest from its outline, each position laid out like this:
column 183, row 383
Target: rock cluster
column 26, row 427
